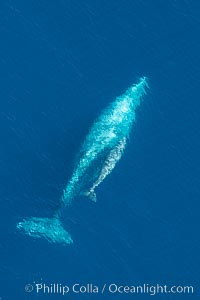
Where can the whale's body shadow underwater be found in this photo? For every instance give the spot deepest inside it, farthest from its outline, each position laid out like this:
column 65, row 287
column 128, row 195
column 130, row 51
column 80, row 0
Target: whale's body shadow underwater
column 102, row 149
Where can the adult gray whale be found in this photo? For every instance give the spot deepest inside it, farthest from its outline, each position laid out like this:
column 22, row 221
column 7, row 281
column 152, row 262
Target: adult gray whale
column 101, row 150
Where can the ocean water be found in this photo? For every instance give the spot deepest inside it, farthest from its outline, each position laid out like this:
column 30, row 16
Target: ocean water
column 61, row 63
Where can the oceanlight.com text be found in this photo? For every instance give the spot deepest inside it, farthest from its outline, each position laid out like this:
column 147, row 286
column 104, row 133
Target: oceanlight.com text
column 111, row 288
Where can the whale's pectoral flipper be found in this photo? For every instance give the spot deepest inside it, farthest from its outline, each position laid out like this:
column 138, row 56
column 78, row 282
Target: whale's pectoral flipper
column 91, row 195
column 48, row 228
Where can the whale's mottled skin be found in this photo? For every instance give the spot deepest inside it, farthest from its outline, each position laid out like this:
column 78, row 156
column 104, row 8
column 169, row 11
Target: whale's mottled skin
column 109, row 133
column 101, row 150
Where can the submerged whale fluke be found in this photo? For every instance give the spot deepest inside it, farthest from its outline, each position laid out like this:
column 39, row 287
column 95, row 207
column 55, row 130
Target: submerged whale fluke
column 49, row 228
column 102, row 149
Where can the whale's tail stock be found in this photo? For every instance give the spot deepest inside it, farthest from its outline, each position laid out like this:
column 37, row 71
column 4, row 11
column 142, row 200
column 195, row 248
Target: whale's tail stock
column 49, row 228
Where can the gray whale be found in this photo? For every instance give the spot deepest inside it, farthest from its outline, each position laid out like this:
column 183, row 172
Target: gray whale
column 101, row 150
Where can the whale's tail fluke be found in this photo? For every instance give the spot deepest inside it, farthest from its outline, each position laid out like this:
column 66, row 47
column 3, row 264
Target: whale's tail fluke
column 49, row 228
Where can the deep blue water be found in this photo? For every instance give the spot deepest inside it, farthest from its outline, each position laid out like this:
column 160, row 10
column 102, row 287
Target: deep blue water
column 61, row 63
